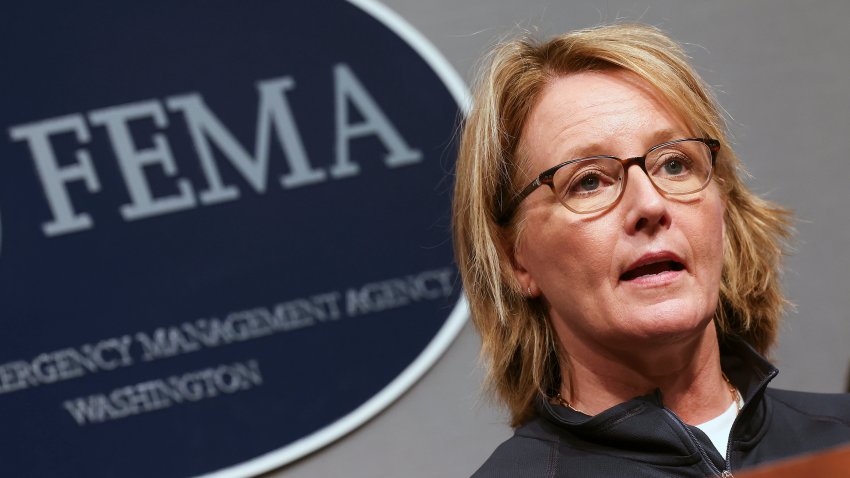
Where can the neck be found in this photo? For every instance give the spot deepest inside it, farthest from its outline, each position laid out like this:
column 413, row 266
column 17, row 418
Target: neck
column 687, row 372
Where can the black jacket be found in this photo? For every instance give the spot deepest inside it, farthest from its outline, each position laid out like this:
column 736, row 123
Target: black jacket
column 641, row 438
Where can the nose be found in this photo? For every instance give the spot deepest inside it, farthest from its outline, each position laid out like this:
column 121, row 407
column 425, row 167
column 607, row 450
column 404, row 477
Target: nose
column 647, row 210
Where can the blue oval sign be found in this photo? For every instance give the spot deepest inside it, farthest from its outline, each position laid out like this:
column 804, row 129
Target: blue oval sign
column 224, row 231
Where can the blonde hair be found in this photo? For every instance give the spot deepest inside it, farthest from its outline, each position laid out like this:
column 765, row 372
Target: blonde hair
column 519, row 343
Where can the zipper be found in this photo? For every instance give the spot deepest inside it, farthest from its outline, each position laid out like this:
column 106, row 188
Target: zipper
column 727, row 473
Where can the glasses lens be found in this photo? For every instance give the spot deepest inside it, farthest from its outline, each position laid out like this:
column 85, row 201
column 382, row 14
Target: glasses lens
column 680, row 168
column 590, row 184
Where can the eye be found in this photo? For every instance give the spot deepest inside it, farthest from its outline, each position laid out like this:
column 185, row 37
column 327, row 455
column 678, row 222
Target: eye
column 674, row 167
column 589, row 182
column 680, row 167
column 585, row 184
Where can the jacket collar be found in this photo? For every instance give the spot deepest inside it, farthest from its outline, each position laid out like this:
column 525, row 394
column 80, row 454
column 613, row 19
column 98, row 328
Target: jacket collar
column 636, row 425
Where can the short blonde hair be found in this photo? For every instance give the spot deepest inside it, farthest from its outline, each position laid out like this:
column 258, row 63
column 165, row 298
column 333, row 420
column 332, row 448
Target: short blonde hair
column 519, row 343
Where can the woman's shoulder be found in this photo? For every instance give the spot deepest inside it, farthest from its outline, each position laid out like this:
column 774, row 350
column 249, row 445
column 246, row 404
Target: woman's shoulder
column 804, row 422
column 835, row 406
column 528, row 453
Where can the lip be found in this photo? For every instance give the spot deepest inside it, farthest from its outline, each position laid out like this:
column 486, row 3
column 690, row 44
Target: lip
column 655, row 278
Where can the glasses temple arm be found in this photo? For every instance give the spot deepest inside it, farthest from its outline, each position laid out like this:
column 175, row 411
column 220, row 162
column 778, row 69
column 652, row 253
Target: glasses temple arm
column 507, row 213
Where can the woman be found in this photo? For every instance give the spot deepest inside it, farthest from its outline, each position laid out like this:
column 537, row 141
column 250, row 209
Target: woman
column 623, row 278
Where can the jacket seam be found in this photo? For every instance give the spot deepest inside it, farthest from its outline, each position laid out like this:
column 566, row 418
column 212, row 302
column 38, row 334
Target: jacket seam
column 529, row 436
column 828, row 418
column 552, row 465
column 614, row 422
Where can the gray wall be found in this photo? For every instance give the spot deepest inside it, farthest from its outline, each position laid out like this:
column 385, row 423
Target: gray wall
column 780, row 70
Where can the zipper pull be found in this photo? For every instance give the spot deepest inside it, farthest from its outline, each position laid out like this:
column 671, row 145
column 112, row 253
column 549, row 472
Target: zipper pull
column 727, row 474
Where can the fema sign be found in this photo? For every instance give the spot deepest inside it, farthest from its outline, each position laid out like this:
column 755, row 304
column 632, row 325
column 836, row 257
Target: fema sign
column 224, row 238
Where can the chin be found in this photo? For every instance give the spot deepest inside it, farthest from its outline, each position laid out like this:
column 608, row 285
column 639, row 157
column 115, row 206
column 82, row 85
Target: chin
column 671, row 321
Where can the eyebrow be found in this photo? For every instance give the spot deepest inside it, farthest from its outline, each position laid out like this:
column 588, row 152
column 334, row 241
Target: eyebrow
column 599, row 148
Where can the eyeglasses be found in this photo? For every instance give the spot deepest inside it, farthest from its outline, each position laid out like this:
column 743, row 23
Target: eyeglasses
column 589, row 185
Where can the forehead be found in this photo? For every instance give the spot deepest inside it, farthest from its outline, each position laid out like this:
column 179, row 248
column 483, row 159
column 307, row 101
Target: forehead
column 602, row 112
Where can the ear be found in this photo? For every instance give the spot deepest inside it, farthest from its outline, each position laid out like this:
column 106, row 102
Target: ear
column 524, row 280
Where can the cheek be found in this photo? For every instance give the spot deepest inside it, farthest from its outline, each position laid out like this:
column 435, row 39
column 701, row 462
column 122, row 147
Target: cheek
column 585, row 254
column 596, row 253
column 570, row 256
column 709, row 232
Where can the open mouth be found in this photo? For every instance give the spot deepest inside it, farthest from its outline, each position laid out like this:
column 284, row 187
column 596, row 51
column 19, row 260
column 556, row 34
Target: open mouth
column 652, row 269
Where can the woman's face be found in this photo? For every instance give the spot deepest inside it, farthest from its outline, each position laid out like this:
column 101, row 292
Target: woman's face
column 648, row 268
